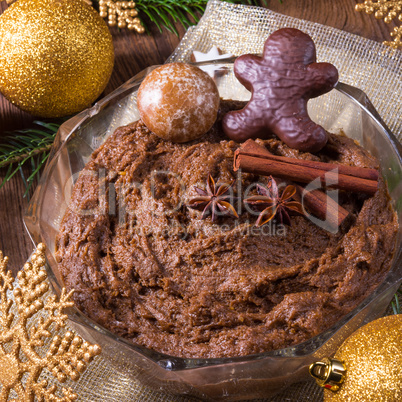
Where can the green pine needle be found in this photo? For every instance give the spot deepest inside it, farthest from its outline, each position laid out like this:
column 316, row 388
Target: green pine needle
column 29, row 146
column 396, row 306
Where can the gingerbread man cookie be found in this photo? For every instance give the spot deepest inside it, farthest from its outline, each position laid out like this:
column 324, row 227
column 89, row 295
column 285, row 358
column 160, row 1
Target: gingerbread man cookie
column 281, row 81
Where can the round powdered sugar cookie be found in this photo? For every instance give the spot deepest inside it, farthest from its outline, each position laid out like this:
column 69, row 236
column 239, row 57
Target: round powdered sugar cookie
column 178, row 102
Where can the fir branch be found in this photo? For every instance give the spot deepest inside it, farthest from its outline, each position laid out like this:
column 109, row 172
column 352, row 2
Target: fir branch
column 166, row 13
column 28, row 146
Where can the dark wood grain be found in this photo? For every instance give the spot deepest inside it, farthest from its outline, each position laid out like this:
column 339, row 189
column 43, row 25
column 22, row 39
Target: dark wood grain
column 133, row 53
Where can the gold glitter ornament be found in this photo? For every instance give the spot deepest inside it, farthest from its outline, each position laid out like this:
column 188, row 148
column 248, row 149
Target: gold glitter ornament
column 372, row 357
column 56, row 56
column 21, row 360
column 387, row 10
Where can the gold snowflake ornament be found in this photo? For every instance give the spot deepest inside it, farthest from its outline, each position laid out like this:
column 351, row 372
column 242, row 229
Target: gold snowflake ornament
column 387, row 10
column 23, row 336
column 121, row 13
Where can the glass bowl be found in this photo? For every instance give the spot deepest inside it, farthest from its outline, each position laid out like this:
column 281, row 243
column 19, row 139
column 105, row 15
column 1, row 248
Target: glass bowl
column 246, row 377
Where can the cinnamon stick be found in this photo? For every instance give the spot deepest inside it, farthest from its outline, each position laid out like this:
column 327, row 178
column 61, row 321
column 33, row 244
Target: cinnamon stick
column 344, row 177
column 316, row 201
column 363, row 173
column 322, row 206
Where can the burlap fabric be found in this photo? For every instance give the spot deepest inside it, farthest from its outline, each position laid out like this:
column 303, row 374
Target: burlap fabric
column 238, row 29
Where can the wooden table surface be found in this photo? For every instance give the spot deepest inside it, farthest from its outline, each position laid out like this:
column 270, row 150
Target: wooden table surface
column 134, row 52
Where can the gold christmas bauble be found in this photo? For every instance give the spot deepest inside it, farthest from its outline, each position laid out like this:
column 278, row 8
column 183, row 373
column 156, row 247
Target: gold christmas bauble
column 56, row 56
column 373, row 359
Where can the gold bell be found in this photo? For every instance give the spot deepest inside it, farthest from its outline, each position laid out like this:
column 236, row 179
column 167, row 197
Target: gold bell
column 329, row 373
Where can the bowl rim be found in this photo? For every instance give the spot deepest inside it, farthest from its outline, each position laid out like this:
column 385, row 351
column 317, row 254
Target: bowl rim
column 174, row 363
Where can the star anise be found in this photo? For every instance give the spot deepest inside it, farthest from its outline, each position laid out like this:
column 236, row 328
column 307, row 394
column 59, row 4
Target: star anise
column 271, row 204
column 213, row 199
